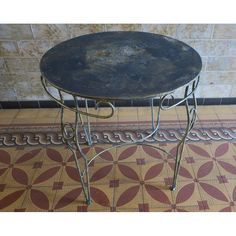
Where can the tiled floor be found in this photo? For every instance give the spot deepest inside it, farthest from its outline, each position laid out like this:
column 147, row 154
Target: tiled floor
column 40, row 177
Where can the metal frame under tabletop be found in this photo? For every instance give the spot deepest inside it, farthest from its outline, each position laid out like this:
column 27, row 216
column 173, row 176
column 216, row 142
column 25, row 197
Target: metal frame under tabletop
column 70, row 131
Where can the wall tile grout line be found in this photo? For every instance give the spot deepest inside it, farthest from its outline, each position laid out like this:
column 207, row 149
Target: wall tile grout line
column 212, row 33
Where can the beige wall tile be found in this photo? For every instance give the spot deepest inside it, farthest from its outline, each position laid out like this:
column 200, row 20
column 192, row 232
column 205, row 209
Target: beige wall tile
column 218, row 77
column 21, row 47
column 214, row 47
column 22, row 64
column 8, row 48
column 81, row 29
column 123, row 27
column 204, row 63
column 31, row 48
column 164, row 29
column 7, row 93
column 194, row 31
column 221, row 64
column 6, row 80
column 32, row 79
column 225, row 31
column 26, row 92
column 15, row 31
column 3, row 67
column 51, row 31
column 179, row 93
column 233, row 91
column 213, row 91
column 39, row 93
column 23, row 90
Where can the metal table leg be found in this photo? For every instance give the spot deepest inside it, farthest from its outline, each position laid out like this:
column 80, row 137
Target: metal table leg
column 70, row 132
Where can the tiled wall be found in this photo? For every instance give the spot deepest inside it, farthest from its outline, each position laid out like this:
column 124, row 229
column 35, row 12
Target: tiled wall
column 21, row 47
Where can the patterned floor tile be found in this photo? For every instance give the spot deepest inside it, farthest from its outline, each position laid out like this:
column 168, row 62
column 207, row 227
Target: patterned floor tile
column 199, row 151
column 206, row 170
column 128, row 154
column 154, row 171
column 125, row 179
column 52, row 155
column 230, row 185
column 233, row 146
column 3, row 173
column 71, row 198
column 70, row 176
column 220, row 208
column 227, row 168
column 125, row 209
column 213, row 192
column 186, row 194
column 19, row 176
column 128, row 173
column 161, row 209
column 39, row 199
column 11, row 198
column 152, row 154
column 27, row 156
column 222, row 150
column 8, row 154
column 47, row 176
column 188, row 209
column 105, row 156
column 102, row 173
column 157, row 194
column 186, row 171
column 127, row 196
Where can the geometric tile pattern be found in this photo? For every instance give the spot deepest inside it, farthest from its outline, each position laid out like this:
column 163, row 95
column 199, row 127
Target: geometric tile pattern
column 126, row 179
column 131, row 178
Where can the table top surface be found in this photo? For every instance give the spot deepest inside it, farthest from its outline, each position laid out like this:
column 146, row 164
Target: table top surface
column 120, row 65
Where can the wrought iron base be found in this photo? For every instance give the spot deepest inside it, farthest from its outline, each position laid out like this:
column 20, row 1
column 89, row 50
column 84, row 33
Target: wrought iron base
column 70, row 131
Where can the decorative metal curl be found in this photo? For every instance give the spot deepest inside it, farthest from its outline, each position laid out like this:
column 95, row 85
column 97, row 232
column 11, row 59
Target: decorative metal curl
column 73, row 109
column 194, row 87
column 67, row 131
column 71, row 133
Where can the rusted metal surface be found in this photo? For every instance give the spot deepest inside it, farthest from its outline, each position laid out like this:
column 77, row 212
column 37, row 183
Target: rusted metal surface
column 120, row 65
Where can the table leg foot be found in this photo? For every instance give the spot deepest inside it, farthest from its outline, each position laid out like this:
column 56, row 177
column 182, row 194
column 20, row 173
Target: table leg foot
column 88, row 201
column 173, row 187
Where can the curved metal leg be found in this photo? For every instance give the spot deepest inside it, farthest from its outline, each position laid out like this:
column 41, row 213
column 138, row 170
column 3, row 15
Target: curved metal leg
column 84, row 175
column 70, row 133
column 191, row 118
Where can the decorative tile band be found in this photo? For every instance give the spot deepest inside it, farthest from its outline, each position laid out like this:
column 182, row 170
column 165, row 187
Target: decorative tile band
column 33, row 135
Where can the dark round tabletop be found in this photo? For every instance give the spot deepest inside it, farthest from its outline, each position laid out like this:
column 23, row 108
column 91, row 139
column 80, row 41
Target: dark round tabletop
column 120, row 65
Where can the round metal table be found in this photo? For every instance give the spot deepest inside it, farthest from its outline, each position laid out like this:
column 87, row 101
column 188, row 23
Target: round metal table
column 111, row 66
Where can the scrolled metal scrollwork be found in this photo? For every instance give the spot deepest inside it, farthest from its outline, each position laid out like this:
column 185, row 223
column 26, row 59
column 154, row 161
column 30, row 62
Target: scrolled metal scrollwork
column 44, row 83
column 170, row 94
column 70, row 132
column 67, row 131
